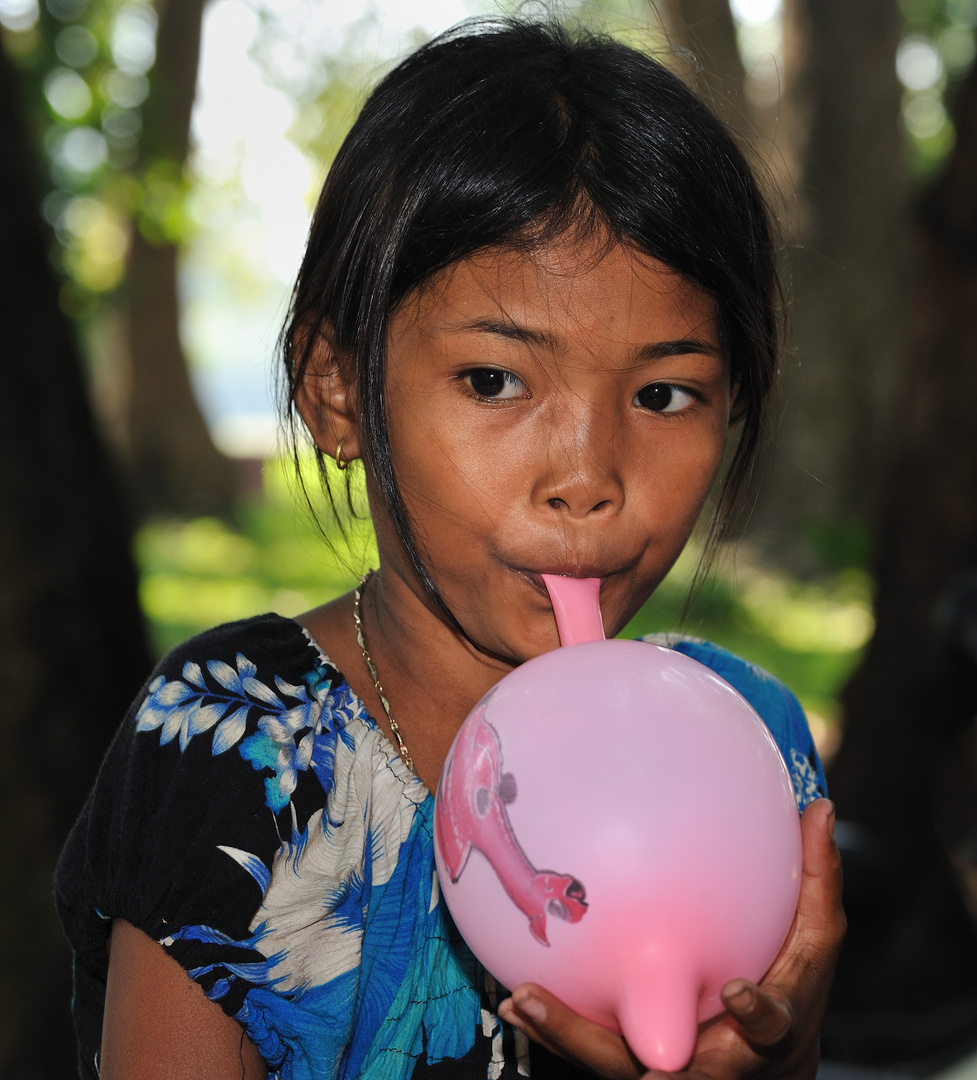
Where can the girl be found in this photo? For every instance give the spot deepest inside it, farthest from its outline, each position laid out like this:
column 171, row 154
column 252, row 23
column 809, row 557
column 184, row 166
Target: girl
column 538, row 289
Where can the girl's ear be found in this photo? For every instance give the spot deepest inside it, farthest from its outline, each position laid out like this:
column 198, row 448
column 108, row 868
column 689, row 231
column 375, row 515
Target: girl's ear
column 326, row 400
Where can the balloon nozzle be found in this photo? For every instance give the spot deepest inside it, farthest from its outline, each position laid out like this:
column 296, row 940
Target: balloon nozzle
column 576, row 605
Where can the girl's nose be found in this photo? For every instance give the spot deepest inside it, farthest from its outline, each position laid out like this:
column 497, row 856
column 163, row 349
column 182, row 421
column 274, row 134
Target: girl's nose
column 578, row 475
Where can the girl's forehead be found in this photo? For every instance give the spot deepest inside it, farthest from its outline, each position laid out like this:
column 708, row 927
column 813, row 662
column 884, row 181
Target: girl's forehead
column 589, row 279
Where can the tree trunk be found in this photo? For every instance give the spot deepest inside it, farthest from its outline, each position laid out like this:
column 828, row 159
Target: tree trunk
column 72, row 648
column 909, row 709
column 175, row 466
column 843, row 150
column 908, row 688
column 705, row 29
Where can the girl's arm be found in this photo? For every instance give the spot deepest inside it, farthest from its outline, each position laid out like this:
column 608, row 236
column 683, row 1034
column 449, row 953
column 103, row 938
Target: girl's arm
column 768, row 1031
column 159, row 1024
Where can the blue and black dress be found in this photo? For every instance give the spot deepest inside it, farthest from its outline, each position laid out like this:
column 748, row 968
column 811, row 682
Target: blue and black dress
column 253, row 819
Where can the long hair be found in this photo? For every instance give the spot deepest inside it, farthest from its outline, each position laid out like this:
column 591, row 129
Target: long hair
column 505, row 133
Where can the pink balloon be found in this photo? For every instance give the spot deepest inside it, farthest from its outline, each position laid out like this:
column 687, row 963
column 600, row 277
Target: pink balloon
column 616, row 823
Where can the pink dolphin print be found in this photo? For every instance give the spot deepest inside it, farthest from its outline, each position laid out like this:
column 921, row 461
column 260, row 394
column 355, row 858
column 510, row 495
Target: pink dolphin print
column 471, row 813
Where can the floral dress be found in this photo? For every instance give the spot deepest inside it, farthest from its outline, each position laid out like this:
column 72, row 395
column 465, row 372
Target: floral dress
column 252, row 818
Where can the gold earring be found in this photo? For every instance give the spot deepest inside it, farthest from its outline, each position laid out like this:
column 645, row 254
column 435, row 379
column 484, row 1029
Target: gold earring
column 341, row 463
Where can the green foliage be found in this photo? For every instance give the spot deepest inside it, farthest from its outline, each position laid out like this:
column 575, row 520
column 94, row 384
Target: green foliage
column 937, row 49
column 86, row 67
column 195, row 574
column 202, row 572
column 838, row 545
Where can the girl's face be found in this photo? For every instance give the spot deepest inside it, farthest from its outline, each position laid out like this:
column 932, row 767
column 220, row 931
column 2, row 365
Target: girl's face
column 563, row 412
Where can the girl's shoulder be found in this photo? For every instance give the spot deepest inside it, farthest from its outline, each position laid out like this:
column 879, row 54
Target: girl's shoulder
column 247, row 793
column 215, row 752
column 774, row 703
column 270, row 642
column 266, row 662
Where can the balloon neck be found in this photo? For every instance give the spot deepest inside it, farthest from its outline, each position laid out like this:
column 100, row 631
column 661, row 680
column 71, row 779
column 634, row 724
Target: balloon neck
column 576, row 605
column 658, row 1016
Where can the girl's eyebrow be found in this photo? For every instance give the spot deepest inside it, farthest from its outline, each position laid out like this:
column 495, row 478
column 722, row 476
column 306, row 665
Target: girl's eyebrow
column 507, row 329
column 682, row 347
column 657, row 350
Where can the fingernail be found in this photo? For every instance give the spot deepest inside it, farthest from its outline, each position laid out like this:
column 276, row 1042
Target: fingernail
column 831, row 822
column 742, row 1000
column 532, row 1007
column 508, row 1013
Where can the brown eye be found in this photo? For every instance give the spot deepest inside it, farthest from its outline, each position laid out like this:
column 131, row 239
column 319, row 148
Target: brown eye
column 494, row 383
column 663, row 397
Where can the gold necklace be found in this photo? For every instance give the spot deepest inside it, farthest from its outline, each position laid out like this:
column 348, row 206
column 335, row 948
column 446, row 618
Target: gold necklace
column 372, row 669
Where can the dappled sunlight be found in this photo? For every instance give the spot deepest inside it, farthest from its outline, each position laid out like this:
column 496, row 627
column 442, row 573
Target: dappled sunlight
column 97, row 243
column 203, row 547
column 180, row 599
column 800, row 616
column 199, row 573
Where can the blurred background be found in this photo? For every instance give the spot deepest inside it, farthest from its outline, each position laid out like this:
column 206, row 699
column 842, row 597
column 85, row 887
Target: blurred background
column 158, row 165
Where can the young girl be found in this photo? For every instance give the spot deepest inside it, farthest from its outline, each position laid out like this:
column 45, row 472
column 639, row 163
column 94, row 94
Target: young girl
column 538, row 289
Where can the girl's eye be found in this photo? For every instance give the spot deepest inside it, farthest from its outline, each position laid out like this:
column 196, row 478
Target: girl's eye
column 664, row 398
column 494, row 383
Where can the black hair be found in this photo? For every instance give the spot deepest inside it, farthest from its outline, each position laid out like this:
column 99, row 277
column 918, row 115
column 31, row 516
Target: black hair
column 507, row 133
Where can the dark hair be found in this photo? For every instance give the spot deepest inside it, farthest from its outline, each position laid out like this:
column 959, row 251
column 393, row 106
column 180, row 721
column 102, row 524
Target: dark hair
column 507, row 133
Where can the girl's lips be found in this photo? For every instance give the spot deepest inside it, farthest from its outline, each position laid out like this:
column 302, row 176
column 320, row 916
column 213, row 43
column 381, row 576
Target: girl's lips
column 537, row 578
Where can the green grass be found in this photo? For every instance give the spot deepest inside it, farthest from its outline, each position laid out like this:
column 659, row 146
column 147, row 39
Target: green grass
column 197, row 573
column 201, row 572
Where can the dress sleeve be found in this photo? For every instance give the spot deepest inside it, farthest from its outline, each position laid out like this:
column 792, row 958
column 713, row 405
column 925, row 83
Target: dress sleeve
column 193, row 789
column 776, row 706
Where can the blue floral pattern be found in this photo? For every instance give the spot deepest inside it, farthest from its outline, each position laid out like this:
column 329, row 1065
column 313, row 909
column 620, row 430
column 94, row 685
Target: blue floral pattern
column 286, row 735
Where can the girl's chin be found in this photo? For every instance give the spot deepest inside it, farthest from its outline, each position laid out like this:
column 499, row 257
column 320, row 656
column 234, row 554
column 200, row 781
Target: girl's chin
column 509, row 647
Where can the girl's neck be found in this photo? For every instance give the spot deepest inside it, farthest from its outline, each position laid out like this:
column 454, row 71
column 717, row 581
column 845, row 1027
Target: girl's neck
column 431, row 676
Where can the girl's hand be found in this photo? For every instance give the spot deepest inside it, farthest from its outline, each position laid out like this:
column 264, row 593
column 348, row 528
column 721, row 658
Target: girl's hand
column 769, row 1031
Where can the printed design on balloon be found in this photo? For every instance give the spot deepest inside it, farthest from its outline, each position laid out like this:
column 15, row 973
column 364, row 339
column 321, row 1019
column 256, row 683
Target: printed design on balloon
column 471, row 813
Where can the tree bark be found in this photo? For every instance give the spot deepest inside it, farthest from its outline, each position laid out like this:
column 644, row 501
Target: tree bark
column 705, row 30
column 843, row 152
column 72, row 647
column 174, row 464
column 909, row 709
column 908, row 688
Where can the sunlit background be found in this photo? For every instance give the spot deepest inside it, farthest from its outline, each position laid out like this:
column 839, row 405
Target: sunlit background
column 260, row 152
column 279, row 83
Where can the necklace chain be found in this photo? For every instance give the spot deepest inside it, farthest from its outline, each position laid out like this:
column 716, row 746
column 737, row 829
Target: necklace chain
column 372, row 669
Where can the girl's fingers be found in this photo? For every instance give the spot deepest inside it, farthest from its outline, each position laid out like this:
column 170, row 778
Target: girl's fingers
column 809, row 956
column 764, row 1016
column 819, row 907
column 778, row 1021
column 547, row 1020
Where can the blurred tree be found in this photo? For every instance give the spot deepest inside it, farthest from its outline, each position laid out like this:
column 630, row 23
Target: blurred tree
column 844, row 157
column 704, row 30
column 907, row 767
column 175, row 466
column 72, row 649
column 834, row 149
column 108, row 90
